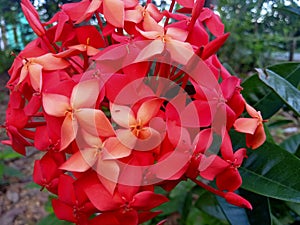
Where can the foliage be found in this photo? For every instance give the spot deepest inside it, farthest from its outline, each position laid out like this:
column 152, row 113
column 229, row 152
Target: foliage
column 259, row 30
column 7, row 155
column 6, row 60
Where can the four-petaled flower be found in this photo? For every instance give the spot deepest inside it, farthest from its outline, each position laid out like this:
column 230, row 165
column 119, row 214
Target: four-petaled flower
column 253, row 127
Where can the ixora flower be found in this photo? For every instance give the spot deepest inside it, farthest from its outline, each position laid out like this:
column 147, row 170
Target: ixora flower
column 127, row 105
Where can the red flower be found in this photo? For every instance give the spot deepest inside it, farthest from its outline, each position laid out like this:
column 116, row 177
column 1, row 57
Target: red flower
column 46, row 170
column 126, row 204
column 76, row 110
column 72, row 203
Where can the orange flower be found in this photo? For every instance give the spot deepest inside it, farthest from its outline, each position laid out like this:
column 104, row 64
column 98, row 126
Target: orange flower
column 253, row 127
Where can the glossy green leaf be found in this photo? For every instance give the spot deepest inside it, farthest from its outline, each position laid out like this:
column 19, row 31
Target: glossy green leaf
column 261, row 212
column 279, row 123
column 285, row 90
column 268, row 134
column 289, row 71
column 261, row 97
column 272, row 171
column 209, row 204
column 292, row 144
column 234, row 214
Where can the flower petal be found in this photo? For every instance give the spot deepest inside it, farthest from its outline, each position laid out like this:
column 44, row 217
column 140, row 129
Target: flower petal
column 68, row 131
column 156, row 47
column 50, row 62
column 177, row 34
column 251, row 111
column 23, row 74
column 90, row 9
column 80, row 161
column 148, row 110
column 229, row 180
column 211, row 166
column 63, row 211
column 101, row 198
column 113, row 11
column 127, row 138
column 134, row 15
column 55, row 105
column 197, row 114
column 246, row 125
column 181, row 52
column 85, row 94
column 257, row 139
column 148, row 200
column 35, row 74
column 114, row 149
column 150, row 25
column 107, row 218
column 148, row 140
column 94, row 122
column 109, row 170
column 122, row 115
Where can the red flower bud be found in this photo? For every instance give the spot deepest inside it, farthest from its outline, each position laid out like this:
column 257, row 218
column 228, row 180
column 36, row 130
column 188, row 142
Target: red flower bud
column 237, row 200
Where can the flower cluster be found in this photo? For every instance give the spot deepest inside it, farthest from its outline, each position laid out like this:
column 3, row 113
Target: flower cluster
column 122, row 97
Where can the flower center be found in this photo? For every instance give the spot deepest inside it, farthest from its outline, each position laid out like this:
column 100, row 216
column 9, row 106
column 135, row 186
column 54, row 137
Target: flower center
column 137, row 128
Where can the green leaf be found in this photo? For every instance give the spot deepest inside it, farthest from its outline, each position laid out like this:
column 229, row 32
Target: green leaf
column 275, row 221
column 282, row 212
column 292, row 144
column 234, row 214
column 1, row 170
column 32, row 185
column 177, row 198
column 279, row 123
column 292, row 10
column 261, row 97
column 272, row 171
column 268, row 135
column 261, row 212
column 51, row 219
column 208, row 203
column 294, row 206
column 12, row 172
column 187, row 205
column 198, row 217
column 285, row 90
column 193, row 217
column 8, row 153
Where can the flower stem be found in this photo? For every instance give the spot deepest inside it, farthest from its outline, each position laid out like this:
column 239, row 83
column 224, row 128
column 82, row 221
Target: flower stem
column 170, row 10
column 209, row 188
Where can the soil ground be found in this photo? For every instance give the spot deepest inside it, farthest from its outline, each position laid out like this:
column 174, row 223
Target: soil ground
column 20, row 202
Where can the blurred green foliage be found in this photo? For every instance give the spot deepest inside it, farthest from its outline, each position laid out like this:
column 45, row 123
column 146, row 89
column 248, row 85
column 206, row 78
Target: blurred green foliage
column 263, row 32
column 7, row 154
